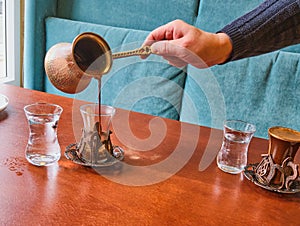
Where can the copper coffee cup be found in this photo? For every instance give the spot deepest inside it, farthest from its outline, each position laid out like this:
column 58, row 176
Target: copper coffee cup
column 283, row 146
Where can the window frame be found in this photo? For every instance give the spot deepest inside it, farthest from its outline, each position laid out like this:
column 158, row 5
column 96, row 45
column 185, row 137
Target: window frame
column 12, row 45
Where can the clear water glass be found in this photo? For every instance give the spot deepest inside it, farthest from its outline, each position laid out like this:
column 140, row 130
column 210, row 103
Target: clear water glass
column 232, row 157
column 42, row 147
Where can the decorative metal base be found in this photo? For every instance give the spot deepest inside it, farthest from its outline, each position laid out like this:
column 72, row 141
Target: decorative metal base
column 250, row 174
column 94, row 151
column 264, row 173
column 71, row 153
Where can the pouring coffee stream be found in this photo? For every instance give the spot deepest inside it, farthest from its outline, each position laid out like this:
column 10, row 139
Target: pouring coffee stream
column 71, row 66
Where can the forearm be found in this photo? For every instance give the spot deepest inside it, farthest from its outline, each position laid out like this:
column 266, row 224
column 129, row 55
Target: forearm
column 271, row 26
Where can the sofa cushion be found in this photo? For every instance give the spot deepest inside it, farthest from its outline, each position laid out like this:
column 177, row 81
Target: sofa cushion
column 150, row 86
column 263, row 90
column 136, row 14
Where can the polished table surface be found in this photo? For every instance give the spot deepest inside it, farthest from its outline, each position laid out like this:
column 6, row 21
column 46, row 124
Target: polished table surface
column 169, row 175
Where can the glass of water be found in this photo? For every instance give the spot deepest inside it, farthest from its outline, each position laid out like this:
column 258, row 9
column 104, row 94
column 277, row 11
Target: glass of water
column 42, row 147
column 232, row 157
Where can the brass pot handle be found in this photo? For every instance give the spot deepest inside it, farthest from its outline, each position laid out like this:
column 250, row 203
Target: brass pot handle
column 145, row 50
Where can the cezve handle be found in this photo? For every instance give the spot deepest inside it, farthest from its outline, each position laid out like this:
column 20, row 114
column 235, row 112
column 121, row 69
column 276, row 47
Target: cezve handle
column 145, row 50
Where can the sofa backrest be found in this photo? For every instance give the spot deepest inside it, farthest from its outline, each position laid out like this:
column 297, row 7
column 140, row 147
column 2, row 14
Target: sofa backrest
column 262, row 90
column 136, row 14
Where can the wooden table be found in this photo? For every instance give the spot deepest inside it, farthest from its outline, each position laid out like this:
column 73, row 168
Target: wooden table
column 175, row 182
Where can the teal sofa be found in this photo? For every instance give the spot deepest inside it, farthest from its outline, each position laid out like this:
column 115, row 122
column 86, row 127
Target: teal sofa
column 263, row 90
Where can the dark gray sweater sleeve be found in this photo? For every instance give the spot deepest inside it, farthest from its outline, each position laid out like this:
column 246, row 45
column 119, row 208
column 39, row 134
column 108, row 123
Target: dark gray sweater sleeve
column 272, row 25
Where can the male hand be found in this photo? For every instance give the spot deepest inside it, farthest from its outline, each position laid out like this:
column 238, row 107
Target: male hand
column 181, row 44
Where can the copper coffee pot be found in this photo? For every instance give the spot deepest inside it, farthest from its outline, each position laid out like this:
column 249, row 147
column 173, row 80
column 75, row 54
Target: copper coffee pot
column 71, row 66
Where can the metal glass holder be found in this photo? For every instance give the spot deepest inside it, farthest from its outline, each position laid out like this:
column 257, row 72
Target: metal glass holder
column 100, row 153
column 263, row 173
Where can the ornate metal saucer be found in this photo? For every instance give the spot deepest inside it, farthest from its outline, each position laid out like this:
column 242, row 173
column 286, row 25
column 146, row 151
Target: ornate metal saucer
column 72, row 154
column 93, row 152
column 262, row 173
